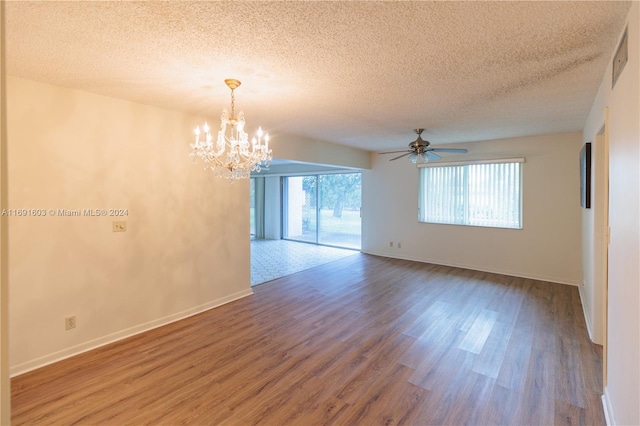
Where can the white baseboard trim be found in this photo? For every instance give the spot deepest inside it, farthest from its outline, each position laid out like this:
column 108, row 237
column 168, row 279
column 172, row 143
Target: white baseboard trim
column 474, row 268
column 608, row 410
column 587, row 318
column 25, row 367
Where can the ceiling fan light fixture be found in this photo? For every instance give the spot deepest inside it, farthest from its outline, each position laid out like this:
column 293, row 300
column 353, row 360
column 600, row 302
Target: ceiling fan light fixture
column 413, row 157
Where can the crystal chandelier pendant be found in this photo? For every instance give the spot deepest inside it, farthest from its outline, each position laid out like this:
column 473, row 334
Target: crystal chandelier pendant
column 231, row 155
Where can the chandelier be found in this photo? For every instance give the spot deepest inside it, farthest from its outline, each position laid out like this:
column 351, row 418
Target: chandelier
column 231, row 156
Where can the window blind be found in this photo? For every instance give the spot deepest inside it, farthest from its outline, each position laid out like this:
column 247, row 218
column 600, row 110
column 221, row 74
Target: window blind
column 477, row 194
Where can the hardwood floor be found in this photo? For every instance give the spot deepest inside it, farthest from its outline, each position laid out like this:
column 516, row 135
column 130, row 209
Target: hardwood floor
column 361, row 341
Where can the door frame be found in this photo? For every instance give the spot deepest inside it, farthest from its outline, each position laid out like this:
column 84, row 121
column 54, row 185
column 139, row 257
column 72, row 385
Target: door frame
column 602, row 238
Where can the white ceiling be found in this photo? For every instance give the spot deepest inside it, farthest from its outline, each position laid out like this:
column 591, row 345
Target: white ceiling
column 356, row 73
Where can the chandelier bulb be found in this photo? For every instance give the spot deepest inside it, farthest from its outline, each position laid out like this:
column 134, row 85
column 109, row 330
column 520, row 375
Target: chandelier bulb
column 205, row 128
column 197, row 131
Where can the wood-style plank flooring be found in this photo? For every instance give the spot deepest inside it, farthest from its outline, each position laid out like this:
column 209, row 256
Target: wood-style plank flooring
column 361, row 341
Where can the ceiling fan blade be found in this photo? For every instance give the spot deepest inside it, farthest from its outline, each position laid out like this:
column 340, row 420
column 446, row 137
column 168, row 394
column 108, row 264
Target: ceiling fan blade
column 392, row 152
column 433, row 155
column 458, row 150
column 400, row 156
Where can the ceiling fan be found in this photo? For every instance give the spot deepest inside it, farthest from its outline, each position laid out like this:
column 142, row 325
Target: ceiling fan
column 421, row 150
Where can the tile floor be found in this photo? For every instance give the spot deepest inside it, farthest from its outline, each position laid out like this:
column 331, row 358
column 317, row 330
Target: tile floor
column 271, row 259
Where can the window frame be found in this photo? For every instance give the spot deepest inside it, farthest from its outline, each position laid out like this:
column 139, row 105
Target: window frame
column 421, row 202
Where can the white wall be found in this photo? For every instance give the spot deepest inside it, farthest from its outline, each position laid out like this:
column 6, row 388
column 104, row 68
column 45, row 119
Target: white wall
column 622, row 392
column 272, row 210
column 186, row 248
column 306, row 150
column 547, row 248
column 294, row 168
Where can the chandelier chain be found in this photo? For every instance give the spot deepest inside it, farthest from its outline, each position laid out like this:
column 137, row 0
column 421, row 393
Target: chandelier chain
column 233, row 104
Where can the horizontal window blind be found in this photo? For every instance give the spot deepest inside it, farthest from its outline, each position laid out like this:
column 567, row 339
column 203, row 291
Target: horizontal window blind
column 484, row 194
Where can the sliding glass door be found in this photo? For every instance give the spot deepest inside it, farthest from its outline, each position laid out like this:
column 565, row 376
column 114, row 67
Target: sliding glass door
column 323, row 209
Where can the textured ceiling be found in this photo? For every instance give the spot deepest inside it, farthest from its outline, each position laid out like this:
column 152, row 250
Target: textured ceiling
column 357, row 73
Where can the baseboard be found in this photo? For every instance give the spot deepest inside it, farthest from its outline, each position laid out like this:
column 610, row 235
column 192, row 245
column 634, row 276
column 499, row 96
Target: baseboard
column 587, row 317
column 608, row 410
column 474, row 268
column 25, row 367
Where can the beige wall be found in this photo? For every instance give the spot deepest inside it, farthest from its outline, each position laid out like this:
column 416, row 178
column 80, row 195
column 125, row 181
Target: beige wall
column 186, row 248
column 622, row 392
column 5, row 389
column 548, row 246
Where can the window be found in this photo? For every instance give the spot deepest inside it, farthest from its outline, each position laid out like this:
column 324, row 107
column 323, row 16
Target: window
column 477, row 194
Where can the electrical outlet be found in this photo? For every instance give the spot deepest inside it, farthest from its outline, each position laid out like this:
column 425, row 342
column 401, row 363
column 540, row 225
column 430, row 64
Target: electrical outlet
column 390, row 243
column 399, row 245
column 119, row 226
column 69, row 323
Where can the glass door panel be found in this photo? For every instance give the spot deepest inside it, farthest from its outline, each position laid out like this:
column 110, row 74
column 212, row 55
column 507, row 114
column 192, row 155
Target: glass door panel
column 300, row 217
column 339, row 213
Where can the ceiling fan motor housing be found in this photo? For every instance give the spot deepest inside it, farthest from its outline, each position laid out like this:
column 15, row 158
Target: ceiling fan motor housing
column 419, row 144
column 422, row 149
